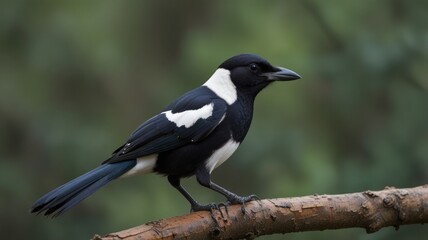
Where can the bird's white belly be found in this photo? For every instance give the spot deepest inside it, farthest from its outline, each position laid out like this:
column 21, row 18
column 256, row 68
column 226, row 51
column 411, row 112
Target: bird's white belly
column 220, row 155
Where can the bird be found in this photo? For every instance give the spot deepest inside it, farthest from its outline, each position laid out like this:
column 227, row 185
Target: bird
column 193, row 135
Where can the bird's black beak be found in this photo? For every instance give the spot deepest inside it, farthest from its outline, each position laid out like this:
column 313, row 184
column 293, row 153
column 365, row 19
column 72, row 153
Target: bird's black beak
column 282, row 74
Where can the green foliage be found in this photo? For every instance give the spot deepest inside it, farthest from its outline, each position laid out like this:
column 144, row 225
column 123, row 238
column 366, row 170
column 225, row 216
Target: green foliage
column 76, row 77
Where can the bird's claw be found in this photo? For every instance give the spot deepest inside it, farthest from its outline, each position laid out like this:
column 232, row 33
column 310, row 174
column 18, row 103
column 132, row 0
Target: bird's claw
column 233, row 200
column 208, row 207
column 225, row 205
column 242, row 201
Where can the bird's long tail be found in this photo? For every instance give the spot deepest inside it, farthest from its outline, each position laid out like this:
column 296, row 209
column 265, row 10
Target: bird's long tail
column 61, row 199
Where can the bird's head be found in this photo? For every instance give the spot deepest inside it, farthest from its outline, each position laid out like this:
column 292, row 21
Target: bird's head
column 248, row 70
column 247, row 74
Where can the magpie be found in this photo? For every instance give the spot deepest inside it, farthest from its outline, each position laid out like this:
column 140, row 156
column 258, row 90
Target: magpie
column 191, row 136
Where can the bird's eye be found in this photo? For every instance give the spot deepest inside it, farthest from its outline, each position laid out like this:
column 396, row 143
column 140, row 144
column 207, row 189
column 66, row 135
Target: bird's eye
column 254, row 67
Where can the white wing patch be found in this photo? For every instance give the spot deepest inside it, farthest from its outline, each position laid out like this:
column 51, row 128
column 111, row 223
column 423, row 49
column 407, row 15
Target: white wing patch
column 221, row 84
column 221, row 155
column 189, row 117
column 144, row 165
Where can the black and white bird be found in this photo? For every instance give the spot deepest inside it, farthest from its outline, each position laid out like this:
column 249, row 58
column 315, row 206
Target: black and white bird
column 192, row 136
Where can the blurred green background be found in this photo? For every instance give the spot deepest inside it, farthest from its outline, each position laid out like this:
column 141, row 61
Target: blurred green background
column 76, row 77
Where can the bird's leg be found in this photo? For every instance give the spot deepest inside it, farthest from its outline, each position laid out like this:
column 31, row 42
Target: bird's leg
column 204, row 178
column 195, row 206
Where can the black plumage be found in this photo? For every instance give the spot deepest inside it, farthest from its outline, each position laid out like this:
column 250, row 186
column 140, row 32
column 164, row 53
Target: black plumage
column 191, row 136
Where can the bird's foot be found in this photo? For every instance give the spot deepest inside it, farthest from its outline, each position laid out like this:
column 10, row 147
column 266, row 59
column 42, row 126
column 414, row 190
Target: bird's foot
column 235, row 199
column 240, row 200
column 198, row 207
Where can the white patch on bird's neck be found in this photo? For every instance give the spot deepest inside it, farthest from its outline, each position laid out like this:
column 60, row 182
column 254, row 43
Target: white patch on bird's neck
column 189, row 117
column 220, row 155
column 221, row 84
column 144, row 165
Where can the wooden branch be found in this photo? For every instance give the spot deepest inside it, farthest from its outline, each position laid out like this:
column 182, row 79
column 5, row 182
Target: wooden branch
column 371, row 210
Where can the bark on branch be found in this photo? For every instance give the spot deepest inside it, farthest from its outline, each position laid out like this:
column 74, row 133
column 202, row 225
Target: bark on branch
column 371, row 210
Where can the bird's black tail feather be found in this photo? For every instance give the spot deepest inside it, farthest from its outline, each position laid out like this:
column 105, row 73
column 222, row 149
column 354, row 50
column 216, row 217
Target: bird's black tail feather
column 66, row 196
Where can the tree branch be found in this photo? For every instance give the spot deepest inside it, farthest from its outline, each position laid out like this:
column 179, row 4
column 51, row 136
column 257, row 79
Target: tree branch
column 371, row 210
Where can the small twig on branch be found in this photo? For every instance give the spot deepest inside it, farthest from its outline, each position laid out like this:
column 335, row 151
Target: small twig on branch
column 371, row 210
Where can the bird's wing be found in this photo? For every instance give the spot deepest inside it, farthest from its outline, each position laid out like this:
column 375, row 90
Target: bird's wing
column 189, row 119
